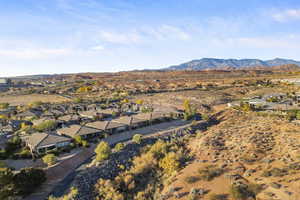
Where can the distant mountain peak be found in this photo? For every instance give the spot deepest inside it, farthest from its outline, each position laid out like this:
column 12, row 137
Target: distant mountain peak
column 216, row 63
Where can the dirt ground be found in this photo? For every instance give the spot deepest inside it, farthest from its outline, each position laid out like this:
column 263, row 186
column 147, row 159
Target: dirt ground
column 274, row 142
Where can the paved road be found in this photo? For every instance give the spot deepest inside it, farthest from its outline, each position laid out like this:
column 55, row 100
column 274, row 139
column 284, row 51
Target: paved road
column 60, row 180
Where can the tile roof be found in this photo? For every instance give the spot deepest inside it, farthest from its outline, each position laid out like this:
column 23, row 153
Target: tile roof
column 76, row 129
column 44, row 139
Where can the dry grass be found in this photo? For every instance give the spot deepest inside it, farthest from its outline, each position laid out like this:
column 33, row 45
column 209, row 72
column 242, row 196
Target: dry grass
column 26, row 99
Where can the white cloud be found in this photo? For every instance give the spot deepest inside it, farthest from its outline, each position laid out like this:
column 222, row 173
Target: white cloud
column 36, row 53
column 286, row 15
column 166, row 32
column 120, row 38
column 289, row 41
column 144, row 34
column 98, row 48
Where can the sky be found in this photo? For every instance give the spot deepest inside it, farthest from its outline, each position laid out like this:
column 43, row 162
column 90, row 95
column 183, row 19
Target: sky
column 71, row 36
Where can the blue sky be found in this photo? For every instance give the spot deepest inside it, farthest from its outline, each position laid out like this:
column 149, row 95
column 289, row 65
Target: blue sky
column 65, row 36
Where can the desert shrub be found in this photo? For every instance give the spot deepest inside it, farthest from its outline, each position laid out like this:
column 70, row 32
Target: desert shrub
column 193, row 194
column 159, row 149
column 137, row 138
column 277, row 172
column 170, row 163
column 191, row 179
column 214, row 196
column 102, row 151
column 78, row 100
column 143, row 164
column 255, row 188
column 189, row 110
column 294, row 166
column 119, row 147
column 240, row 192
column 35, row 104
column 70, row 196
column 106, row 190
column 208, row 173
column 49, row 159
column 245, row 106
column 28, row 179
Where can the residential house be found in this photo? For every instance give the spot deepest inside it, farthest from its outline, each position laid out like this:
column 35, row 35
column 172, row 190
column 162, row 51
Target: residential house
column 29, row 114
column 68, row 120
column 79, row 130
column 153, row 117
column 131, row 121
column 43, row 142
column 110, row 127
column 91, row 114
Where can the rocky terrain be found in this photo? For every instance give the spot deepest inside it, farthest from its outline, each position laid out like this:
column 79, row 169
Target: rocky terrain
column 250, row 150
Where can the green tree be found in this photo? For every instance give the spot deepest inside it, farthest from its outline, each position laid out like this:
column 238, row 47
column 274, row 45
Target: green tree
column 49, row 159
column 102, row 151
column 46, row 126
column 28, row 179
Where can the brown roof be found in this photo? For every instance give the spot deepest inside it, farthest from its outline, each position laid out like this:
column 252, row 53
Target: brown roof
column 124, row 120
column 151, row 116
column 89, row 113
column 44, row 139
column 75, row 130
column 105, row 125
column 69, row 117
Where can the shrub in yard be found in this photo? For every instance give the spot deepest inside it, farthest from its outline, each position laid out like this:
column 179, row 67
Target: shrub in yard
column 85, row 143
column 24, row 153
column 49, row 159
column 4, row 105
column 119, row 147
column 103, row 151
column 137, row 138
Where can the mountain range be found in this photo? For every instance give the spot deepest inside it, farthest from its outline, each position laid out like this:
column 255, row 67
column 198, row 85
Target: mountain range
column 223, row 64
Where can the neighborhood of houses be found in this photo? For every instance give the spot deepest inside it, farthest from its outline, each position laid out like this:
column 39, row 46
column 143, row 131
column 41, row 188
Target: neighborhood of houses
column 282, row 102
column 71, row 120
